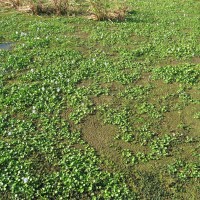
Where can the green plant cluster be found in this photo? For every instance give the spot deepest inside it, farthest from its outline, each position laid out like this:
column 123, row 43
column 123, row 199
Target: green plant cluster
column 182, row 74
column 121, row 119
column 183, row 170
column 159, row 148
column 91, row 110
column 44, row 164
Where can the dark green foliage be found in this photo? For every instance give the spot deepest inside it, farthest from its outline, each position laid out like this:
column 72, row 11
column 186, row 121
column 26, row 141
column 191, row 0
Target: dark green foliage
column 152, row 188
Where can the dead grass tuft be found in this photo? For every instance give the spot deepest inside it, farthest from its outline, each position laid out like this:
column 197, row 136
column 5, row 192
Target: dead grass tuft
column 12, row 3
column 111, row 10
column 97, row 9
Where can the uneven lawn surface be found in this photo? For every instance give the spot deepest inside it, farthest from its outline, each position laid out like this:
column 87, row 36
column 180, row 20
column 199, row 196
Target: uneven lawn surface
column 101, row 110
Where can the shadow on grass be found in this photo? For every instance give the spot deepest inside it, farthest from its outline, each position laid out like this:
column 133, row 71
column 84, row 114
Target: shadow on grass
column 152, row 188
column 134, row 16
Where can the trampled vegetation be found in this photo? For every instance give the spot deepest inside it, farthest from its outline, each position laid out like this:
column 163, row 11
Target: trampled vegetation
column 101, row 109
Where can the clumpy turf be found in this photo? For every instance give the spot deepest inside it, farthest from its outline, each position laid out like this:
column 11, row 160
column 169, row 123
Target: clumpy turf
column 101, row 110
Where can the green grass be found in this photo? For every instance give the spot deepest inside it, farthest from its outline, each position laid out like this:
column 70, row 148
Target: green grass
column 101, row 110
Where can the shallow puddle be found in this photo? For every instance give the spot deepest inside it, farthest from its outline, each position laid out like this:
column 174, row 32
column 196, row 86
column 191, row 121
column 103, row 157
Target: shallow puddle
column 6, row 46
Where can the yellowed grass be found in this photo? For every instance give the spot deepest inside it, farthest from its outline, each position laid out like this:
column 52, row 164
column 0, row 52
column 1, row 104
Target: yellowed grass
column 97, row 9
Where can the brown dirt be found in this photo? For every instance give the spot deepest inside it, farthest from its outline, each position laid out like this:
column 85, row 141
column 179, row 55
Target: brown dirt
column 78, row 146
column 114, row 87
column 103, row 99
column 196, row 60
column 171, row 121
column 162, row 89
column 85, row 83
column 81, row 35
column 195, row 93
column 138, row 38
column 101, row 138
column 170, row 61
column 144, row 80
column 131, row 146
column 188, row 117
column 98, row 135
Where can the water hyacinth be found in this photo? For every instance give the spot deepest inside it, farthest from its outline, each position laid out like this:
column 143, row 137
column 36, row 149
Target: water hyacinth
column 9, row 133
column 25, row 179
column 34, row 110
column 23, row 34
column 101, row 112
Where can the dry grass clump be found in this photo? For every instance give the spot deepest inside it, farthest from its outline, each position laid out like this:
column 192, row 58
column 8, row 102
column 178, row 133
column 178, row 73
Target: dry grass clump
column 107, row 10
column 40, row 7
column 11, row 3
column 118, row 15
column 59, row 7
column 15, row 3
column 97, row 9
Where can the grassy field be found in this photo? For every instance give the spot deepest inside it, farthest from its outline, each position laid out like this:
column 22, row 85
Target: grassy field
column 101, row 110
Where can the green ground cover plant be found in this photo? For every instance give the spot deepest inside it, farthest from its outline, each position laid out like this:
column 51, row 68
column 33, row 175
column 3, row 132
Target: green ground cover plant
column 101, row 109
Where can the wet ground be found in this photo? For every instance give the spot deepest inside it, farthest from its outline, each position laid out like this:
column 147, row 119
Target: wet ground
column 6, row 46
